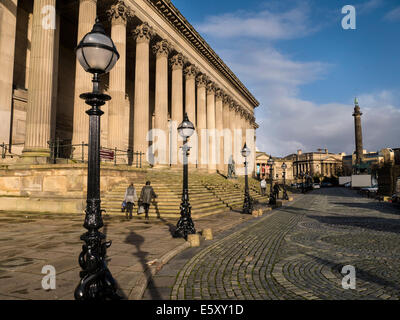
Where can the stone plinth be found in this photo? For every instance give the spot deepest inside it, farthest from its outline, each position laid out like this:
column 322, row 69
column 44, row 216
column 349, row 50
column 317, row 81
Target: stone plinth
column 207, row 234
column 54, row 188
column 194, row 240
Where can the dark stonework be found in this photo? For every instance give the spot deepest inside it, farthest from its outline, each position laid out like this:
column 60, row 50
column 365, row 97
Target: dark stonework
column 358, row 132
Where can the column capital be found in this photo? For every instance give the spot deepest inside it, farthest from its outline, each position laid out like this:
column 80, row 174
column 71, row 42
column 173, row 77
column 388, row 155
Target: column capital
column 143, row 33
column 119, row 13
column 219, row 94
column 191, row 71
column 232, row 105
column 177, row 61
column 162, row 48
column 211, row 88
column 227, row 99
column 238, row 108
column 201, row 80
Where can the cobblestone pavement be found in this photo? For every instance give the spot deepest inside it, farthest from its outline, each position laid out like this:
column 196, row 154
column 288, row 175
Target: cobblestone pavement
column 297, row 252
column 30, row 241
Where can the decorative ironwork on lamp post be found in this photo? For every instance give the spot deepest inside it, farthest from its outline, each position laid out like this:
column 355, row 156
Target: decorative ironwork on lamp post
column 185, row 224
column 285, row 195
column 302, row 175
column 97, row 54
column 272, row 199
column 248, row 202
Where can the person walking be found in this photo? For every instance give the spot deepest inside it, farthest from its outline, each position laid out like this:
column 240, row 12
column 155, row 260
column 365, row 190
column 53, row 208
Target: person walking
column 145, row 198
column 276, row 190
column 263, row 186
column 130, row 198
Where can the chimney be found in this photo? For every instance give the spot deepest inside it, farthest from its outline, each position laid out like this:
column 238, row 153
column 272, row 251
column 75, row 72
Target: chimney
column 326, row 151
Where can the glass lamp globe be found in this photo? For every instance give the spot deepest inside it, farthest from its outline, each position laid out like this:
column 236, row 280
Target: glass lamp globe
column 97, row 52
column 186, row 128
column 284, row 166
column 270, row 162
column 245, row 151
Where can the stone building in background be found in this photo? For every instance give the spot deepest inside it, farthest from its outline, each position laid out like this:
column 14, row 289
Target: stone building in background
column 317, row 164
column 166, row 69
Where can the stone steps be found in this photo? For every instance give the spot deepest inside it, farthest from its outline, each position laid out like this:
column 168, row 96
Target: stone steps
column 209, row 194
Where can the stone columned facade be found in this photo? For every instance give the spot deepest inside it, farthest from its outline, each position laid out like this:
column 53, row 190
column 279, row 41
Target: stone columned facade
column 166, row 69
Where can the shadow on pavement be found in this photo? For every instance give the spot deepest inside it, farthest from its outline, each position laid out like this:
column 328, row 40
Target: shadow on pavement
column 379, row 206
column 171, row 227
column 137, row 240
column 120, row 292
column 372, row 223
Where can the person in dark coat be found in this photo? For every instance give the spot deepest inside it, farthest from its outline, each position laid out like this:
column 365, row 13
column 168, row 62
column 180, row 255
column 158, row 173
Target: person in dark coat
column 276, row 191
column 146, row 196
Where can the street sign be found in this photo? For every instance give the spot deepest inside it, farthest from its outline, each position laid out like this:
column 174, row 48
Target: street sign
column 106, row 154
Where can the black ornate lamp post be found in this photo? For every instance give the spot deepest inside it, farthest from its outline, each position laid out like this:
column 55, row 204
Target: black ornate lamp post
column 97, row 54
column 248, row 203
column 302, row 175
column 185, row 224
column 285, row 196
column 272, row 200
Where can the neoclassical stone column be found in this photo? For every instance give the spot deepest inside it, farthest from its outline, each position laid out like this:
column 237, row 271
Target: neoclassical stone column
column 190, row 89
column 219, row 125
column 38, row 118
column 227, row 137
column 8, row 23
column 212, row 167
column 250, row 140
column 119, row 14
column 177, row 62
column 162, row 50
column 232, row 127
column 238, row 139
column 143, row 33
column 191, row 72
column 201, row 81
column 253, row 126
column 83, row 80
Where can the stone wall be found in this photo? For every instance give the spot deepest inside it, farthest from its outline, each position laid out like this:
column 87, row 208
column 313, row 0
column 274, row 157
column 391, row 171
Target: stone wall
column 55, row 188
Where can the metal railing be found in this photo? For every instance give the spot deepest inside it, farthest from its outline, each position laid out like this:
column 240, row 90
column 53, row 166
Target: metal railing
column 63, row 149
column 6, row 149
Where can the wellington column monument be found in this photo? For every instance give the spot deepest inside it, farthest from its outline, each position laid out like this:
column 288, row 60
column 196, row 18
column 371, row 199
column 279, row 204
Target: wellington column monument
column 358, row 131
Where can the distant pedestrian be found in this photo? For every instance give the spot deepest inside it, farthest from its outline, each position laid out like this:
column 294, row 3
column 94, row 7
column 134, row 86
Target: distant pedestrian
column 263, row 186
column 276, row 190
column 145, row 198
column 130, row 198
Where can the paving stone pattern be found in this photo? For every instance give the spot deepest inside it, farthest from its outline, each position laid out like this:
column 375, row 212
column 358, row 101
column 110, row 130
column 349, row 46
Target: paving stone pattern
column 297, row 252
column 30, row 241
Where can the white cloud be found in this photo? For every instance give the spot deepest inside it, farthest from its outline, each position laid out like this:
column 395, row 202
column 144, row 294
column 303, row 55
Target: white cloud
column 393, row 15
column 369, row 6
column 309, row 126
column 288, row 122
column 265, row 24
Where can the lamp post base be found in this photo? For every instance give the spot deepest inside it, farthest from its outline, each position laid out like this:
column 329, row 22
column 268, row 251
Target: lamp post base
column 272, row 200
column 247, row 205
column 96, row 281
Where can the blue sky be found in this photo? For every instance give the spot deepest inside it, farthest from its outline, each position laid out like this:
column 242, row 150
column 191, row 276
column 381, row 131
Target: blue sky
column 305, row 69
